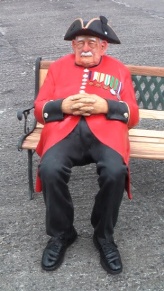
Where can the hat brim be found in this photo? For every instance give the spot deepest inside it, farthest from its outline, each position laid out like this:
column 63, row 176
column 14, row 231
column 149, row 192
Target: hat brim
column 93, row 28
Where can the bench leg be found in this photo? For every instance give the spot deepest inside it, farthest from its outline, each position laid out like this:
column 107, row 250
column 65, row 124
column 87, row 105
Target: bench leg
column 30, row 174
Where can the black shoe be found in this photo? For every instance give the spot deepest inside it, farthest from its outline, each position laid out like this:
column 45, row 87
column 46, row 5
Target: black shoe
column 109, row 255
column 53, row 254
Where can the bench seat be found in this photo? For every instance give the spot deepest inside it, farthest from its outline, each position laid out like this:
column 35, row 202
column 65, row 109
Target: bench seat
column 147, row 144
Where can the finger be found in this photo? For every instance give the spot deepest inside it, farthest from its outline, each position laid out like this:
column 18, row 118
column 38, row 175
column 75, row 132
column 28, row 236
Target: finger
column 77, row 112
column 86, row 109
column 79, row 96
column 77, row 106
column 86, row 114
column 76, row 97
column 87, row 100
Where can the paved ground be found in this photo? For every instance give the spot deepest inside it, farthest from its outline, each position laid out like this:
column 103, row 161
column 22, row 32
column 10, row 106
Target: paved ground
column 33, row 28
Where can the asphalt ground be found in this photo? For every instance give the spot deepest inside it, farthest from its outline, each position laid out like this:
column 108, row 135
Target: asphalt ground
column 33, row 28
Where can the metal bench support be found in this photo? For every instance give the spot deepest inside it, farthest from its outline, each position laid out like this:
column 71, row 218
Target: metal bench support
column 30, row 174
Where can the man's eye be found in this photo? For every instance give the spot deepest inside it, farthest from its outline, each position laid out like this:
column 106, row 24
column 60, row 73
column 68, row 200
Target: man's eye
column 80, row 43
column 92, row 44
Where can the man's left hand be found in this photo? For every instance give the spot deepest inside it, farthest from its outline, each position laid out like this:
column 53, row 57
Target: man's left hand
column 88, row 104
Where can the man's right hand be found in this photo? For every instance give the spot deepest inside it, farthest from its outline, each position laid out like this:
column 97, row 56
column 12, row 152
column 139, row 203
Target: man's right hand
column 78, row 104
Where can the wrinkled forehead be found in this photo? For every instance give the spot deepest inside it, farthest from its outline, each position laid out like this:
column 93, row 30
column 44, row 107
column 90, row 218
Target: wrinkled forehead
column 86, row 38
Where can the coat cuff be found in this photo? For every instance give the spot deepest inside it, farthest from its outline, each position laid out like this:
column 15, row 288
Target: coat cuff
column 52, row 111
column 118, row 110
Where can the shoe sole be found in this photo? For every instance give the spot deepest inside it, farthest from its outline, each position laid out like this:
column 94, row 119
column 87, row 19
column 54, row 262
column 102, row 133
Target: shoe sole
column 53, row 268
column 105, row 267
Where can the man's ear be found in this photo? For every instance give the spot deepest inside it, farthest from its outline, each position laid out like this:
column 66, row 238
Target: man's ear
column 73, row 45
column 104, row 46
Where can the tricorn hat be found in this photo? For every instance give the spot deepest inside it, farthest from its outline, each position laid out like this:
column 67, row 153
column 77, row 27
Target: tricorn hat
column 95, row 27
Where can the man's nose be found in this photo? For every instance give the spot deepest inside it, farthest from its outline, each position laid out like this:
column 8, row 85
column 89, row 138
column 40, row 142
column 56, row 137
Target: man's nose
column 86, row 47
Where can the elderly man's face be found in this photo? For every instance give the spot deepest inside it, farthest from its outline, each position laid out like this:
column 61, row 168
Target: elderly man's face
column 88, row 50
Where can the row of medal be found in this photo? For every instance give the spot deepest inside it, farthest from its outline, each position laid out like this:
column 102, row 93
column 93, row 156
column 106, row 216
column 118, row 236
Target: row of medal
column 100, row 80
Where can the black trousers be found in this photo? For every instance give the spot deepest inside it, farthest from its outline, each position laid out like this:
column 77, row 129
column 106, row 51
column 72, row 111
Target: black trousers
column 81, row 147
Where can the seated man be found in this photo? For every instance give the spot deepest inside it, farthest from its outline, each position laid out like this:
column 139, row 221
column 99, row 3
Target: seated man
column 87, row 104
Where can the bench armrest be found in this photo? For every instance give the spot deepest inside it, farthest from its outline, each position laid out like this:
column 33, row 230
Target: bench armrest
column 23, row 113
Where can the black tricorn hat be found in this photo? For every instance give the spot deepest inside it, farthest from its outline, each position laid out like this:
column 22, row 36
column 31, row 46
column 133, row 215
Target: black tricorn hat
column 95, row 27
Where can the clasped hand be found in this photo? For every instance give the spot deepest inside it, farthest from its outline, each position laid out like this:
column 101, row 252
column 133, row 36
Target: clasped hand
column 84, row 104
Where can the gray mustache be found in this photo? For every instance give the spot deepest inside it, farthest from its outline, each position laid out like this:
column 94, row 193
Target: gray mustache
column 86, row 54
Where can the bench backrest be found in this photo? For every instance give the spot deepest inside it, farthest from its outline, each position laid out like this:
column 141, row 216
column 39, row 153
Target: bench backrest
column 149, row 87
column 148, row 84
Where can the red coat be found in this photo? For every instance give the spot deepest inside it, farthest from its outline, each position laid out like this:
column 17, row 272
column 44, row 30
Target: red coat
column 65, row 78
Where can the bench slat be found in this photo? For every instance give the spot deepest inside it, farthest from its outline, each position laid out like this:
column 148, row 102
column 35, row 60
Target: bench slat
column 39, row 125
column 32, row 139
column 146, row 133
column 152, row 114
column 146, row 70
column 146, row 140
column 42, row 75
column 135, row 70
column 45, row 64
column 147, row 150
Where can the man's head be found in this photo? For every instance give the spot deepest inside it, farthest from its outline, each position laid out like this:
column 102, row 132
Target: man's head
column 88, row 50
column 90, row 40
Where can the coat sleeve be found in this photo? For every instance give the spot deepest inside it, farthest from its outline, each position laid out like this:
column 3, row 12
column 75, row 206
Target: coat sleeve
column 46, row 108
column 117, row 111
column 129, row 98
column 125, row 110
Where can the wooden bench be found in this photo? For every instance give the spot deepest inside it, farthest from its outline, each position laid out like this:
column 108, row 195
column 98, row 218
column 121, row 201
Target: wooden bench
column 145, row 143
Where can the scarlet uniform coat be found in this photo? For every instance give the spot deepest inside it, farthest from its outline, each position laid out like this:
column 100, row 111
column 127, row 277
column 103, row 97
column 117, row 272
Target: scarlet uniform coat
column 65, row 78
